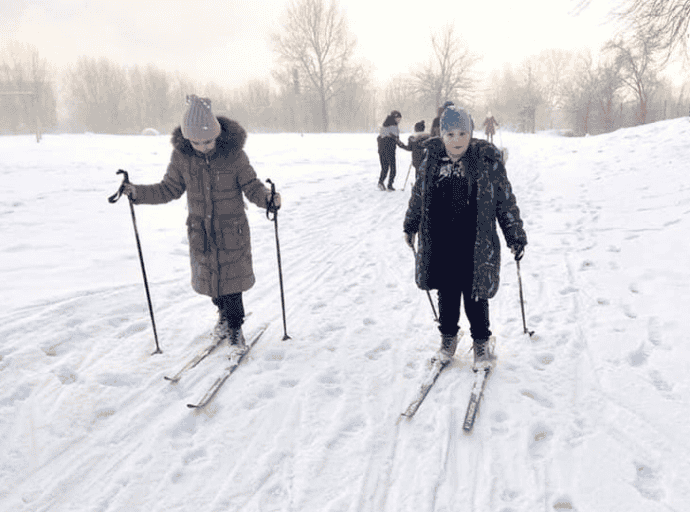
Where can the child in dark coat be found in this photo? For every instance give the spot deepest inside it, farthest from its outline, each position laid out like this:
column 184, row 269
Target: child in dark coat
column 416, row 145
column 461, row 191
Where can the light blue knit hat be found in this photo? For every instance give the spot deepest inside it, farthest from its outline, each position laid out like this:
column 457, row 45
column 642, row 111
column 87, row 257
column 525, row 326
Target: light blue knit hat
column 456, row 119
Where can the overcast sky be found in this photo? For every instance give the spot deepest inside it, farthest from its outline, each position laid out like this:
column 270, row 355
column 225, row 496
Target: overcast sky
column 227, row 41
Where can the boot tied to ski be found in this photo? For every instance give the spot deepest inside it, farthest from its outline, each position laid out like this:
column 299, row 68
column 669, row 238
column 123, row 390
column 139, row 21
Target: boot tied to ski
column 236, row 343
column 221, row 330
column 236, row 337
column 483, row 353
column 449, row 343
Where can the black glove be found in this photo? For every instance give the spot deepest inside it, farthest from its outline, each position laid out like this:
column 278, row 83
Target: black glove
column 273, row 202
column 518, row 250
column 409, row 239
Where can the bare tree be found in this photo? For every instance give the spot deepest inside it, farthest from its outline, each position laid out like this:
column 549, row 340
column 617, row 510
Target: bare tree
column 98, row 91
column 530, row 96
column 578, row 94
column 400, row 93
column 27, row 98
column 553, row 66
column 349, row 107
column 449, row 71
column 607, row 81
column 151, row 102
column 664, row 23
column 636, row 60
column 317, row 41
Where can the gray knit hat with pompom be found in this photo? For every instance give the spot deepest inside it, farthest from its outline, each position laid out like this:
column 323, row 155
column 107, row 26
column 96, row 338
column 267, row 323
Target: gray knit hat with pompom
column 198, row 121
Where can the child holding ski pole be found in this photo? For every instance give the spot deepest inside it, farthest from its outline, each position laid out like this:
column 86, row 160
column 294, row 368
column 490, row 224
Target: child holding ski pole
column 209, row 163
column 461, row 191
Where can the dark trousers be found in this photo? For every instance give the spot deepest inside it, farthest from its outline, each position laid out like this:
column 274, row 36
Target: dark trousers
column 449, row 312
column 387, row 161
column 232, row 308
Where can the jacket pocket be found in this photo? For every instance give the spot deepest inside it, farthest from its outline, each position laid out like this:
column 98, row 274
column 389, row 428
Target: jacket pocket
column 234, row 234
column 196, row 234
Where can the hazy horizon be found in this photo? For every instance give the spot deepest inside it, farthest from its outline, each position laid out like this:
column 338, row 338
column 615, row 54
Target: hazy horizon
column 228, row 43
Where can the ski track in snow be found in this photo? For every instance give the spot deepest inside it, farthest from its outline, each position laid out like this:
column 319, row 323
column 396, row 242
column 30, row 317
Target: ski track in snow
column 590, row 414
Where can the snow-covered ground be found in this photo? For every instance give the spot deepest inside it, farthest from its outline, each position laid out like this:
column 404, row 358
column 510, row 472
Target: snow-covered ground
column 591, row 414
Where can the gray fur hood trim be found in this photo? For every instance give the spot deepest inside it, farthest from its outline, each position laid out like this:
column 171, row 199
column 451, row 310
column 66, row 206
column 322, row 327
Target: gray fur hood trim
column 231, row 139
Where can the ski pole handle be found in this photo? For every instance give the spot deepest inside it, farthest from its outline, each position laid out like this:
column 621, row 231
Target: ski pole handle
column 271, row 202
column 117, row 195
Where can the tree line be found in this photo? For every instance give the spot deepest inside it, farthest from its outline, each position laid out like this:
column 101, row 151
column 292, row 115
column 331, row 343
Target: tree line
column 318, row 85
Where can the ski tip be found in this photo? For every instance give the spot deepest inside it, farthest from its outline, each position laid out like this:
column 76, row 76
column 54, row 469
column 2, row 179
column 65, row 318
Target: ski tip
column 193, row 406
column 172, row 380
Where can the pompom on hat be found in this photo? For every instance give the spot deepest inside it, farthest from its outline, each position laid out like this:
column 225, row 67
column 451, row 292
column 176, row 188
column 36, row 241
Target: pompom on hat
column 456, row 119
column 198, row 121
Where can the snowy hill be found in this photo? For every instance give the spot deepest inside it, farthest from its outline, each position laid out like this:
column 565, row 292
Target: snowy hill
column 589, row 415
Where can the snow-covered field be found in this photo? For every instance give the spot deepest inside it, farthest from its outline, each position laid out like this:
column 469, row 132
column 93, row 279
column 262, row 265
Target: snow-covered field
column 591, row 414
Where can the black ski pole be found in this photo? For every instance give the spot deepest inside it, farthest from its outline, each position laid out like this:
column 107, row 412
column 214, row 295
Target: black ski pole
column 113, row 199
column 271, row 206
column 522, row 301
column 431, row 301
column 408, row 175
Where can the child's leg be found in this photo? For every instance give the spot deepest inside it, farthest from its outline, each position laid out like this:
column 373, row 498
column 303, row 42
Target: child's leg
column 477, row 312
column 232, row 307
column 449, row 310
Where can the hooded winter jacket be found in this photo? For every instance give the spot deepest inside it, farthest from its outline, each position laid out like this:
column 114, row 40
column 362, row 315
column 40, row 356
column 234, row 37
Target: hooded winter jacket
column 495, row 201
column 416, row 145
column 217, row 226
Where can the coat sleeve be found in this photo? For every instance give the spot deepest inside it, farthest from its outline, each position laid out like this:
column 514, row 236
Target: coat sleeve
column 507, row 211
column 251, row 186
column 413, row 216
column 171, row 187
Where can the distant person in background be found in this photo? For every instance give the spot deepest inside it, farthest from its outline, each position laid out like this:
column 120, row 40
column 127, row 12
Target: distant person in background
column 209, row 163
column 416, row 145
column 388, row 140
column 461, row 191
column 435, row 124
column 490, row 125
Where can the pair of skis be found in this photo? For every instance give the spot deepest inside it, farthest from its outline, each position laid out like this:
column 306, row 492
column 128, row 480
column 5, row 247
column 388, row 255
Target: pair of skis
column 481, row 376
column 218, row 383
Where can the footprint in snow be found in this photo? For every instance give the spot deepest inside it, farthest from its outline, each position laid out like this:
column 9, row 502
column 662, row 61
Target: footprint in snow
column 375, row 353
column 539, row 439
column 638, row 357
column 541, row 400
column 647, row 482
column 563, row 503
column 117, row 380
column 542, row 360
column 66, row 375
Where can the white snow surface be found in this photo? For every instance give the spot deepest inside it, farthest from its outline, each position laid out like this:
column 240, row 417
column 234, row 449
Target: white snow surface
column 590, row 414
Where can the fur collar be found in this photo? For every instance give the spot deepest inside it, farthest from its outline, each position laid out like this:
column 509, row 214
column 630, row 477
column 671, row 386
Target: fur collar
column 231, row 139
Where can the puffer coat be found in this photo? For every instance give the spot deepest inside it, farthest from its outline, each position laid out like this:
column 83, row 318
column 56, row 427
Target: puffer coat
column 495, row 202
column 217, row 226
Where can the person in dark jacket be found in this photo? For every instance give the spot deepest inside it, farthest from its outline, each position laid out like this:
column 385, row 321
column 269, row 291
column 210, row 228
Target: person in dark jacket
column 209, row 163
column 436, row 123
column 416, row 145
column 461, row 191
column 388, row 140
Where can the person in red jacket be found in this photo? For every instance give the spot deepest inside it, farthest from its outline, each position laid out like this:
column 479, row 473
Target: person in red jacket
column 208, row 162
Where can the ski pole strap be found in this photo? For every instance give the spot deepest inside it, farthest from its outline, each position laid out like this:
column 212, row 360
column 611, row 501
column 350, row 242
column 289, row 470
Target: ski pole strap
column 117, row 195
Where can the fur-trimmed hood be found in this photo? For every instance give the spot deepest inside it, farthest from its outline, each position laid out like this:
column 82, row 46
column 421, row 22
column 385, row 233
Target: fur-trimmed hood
column 231, row 139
